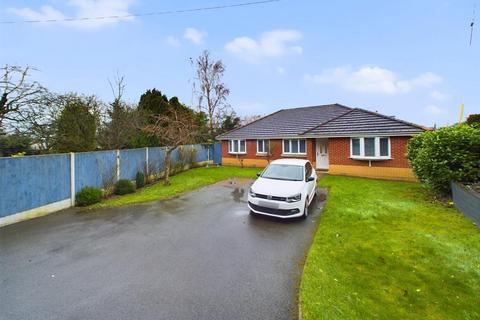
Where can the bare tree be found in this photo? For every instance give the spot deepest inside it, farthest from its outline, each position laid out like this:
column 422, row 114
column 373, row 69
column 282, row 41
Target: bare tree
column 249, row 119
column 18, row 95
column 39, row 121
column 212, row 92
column 120, row 121
column 176, row 127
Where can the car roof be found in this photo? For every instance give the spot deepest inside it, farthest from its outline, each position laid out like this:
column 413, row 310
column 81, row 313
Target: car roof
column 296, row 162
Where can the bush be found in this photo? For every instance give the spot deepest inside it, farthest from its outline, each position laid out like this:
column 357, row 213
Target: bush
column 447, row 154
column 88, row 196
column 124, row 187
column 140, row 180
column 473, row 120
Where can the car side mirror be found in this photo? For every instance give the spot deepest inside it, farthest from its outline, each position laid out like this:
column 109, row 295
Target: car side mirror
column 259, row 174
column 310, row 179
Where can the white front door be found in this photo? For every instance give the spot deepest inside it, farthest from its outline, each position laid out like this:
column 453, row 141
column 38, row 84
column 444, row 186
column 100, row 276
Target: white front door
column 322, row 153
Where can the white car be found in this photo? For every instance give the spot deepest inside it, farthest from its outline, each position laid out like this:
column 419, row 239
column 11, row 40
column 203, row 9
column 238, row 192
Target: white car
column 284, row 189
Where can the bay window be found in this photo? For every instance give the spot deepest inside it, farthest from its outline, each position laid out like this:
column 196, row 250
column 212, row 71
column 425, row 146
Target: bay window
column 263, row 146
column 237, row 146
column 295, row 146
column 370, row 148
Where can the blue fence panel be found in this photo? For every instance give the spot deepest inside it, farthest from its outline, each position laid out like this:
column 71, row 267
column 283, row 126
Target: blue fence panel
column 95, row 169
column 175, row 156
column 203, row 151
column 32, row 182
column 131, row 162
column 217, row 153
column 156, row 160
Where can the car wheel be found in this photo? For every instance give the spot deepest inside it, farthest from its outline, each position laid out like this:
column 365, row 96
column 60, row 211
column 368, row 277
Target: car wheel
column 305, row 210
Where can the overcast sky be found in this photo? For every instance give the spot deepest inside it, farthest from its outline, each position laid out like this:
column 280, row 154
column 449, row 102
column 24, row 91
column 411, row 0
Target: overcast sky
column 410, row 59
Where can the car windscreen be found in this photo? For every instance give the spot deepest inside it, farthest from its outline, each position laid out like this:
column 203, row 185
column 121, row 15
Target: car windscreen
column 283, row 172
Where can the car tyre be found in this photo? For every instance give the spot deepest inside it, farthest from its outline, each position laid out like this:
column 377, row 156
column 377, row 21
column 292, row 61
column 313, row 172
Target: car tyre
column 305, row 210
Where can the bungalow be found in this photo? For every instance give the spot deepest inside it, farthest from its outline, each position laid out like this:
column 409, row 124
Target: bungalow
column 335, row 138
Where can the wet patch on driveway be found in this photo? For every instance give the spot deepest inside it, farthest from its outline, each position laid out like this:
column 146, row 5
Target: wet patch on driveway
column 198, row 256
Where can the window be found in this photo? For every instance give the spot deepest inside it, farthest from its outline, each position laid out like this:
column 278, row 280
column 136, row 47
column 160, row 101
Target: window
column 370, row 148
column 294, row 146
column 237, row 146
column 384, row 147
column 263, row 146
column 356, row 147
column 308, row 170
column 284, row 172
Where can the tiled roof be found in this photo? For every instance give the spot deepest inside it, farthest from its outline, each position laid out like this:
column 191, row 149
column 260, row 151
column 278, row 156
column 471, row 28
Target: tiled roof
column 360, row 121
column 331, row 120
column 287, row 122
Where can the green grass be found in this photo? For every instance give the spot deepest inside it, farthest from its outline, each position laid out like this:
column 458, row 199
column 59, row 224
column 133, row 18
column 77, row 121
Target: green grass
column 180, row 183
column 384, row 251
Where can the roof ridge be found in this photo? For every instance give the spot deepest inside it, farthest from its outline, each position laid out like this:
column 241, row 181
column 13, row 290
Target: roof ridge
column 271, row 114
column 334, row 118
column 256, row 120
column 320, row 105
column 393, row 118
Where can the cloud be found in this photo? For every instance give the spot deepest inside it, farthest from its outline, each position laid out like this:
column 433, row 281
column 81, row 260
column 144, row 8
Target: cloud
column 172, row 41
column 82, row 9
column 438, row 95
column 434, row 110
column 194, row 35
column 271, row 44
column 373, row 80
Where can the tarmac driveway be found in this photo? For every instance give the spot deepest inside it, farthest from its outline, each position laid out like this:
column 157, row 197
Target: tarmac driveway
column 198, row 256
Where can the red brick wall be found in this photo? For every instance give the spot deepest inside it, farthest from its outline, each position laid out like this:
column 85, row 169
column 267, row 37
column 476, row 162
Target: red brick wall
column 338, row 150
column 277, row 151
column 339, row 153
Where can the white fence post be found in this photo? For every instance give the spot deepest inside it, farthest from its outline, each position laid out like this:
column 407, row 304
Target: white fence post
column 118, row 164
column 72, row 178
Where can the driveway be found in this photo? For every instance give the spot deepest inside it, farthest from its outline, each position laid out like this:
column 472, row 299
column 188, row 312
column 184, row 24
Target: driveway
column 198, row 256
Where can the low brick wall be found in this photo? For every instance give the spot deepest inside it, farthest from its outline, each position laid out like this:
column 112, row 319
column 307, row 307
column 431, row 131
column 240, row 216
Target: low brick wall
column 388, row 173
column 466, row 201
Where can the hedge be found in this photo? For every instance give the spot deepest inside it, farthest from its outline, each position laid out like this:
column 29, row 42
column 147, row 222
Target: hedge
column 444, row 155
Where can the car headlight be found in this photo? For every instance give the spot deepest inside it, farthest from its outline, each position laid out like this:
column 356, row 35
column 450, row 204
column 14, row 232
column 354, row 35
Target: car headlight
column 252, row 194
column 294, row 198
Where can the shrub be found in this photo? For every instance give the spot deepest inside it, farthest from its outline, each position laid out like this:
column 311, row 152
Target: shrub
column 473, row 120
column 124, row 187
column 88, row 196
column 140, row 180
column 450, row 153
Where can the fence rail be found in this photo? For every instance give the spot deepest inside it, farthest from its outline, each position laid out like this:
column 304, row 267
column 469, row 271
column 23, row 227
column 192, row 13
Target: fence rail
column 36, row 185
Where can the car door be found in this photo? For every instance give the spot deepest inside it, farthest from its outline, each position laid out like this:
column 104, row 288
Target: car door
column 309, row 172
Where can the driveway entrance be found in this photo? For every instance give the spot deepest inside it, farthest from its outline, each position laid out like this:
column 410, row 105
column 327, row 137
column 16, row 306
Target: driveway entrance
column 199, row 256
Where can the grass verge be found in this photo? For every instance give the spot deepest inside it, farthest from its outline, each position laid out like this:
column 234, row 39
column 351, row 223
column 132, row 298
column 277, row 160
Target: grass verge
column 180, row 183
column 384, row 251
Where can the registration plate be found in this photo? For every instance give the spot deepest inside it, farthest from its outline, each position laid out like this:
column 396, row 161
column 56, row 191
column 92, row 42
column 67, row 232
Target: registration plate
column 267, row 204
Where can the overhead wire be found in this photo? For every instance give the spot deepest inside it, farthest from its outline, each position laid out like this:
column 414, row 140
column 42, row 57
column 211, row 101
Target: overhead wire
column 134, row 15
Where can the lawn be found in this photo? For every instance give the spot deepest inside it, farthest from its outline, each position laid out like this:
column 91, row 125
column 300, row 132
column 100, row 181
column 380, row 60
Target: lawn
column 180, row 183
column 384, row 251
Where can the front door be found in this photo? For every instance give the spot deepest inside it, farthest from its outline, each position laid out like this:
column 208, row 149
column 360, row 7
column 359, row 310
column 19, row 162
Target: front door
column 322, row 154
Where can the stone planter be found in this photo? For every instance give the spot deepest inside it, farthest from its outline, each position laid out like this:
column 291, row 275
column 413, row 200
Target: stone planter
column 467, row 201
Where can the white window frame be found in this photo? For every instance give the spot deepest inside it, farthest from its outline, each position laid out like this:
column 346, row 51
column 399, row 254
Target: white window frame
column 290, row 145
column 377, row 155
column 237, row 142
column 265, row 143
